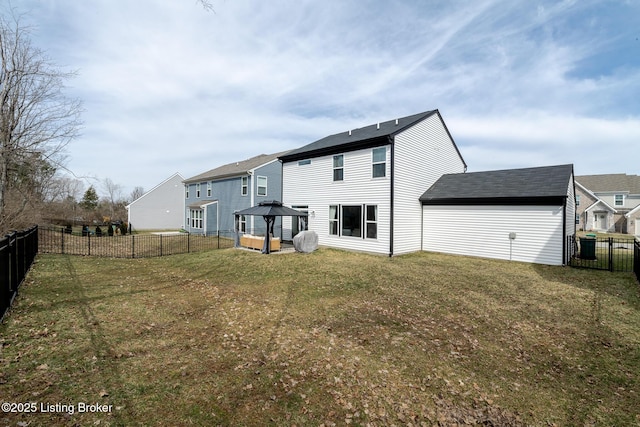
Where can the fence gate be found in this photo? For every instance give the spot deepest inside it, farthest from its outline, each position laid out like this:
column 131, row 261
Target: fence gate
column 610, row 254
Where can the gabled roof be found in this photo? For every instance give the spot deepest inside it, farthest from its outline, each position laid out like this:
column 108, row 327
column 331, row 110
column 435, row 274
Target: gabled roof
column 175, row 175
column 529, row 186
column 586, row 190
column 632, row 212
column 365, row 137
column 601, row 203
column 235, row 169
column 611, row 183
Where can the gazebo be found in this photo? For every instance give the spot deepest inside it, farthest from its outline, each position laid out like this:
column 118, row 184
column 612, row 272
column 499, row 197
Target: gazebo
column 269, row 210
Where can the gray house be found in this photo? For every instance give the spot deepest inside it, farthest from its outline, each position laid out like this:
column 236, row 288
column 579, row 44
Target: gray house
column 212, row 197
column 160, row 208
column 609, row 203
column 516, row 214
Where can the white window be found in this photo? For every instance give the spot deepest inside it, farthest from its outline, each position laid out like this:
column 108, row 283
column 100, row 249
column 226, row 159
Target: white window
column 577, row 218
column 619, row 199
column 198, row 191
column 186, row 191
column 352, row 221
column 577, row 200
column 208, row 189
column 243, row 224
column 379, row 162
column 304, row 162
column 244, row 186
column 338, row 167
column 349, row 220
column 334, row 222
column 372, row 221
column 196, row 218
column 262, row 186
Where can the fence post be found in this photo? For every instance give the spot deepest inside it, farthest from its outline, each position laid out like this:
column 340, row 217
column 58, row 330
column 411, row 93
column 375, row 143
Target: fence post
column 133, row 246
column 160, row 244
column 188, row 242
column 88, row 243
column 62, row 241
column 610, row 254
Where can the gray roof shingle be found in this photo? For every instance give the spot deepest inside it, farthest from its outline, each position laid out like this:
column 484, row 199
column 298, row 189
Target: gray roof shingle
column 235, row 169
column 539, row 185
column 365, row 137
column 610, row 182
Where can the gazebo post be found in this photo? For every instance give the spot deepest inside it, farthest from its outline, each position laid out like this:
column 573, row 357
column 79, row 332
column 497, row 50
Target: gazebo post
column 236, row 231
column 267, row 239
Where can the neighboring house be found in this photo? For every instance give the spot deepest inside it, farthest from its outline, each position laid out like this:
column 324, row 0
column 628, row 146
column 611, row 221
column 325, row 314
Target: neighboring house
column 160, row 208
column 518, row 214
column 211, row 198
column 361, row 188
column 608, row 203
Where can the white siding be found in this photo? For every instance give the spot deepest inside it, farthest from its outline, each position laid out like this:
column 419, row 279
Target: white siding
column 484, row 231
column 161, row 208
column 312, row 185
column 423, row 153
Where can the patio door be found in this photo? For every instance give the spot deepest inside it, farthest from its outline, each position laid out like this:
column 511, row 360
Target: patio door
column 299, row 223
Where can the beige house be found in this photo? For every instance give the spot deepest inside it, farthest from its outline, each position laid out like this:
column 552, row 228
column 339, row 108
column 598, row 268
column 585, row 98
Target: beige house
column 608, row 203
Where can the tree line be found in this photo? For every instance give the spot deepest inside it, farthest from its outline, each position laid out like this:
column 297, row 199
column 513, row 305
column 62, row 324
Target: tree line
column 37, row 122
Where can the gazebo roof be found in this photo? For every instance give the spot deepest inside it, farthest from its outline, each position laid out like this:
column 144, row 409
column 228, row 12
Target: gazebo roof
column 270, row 208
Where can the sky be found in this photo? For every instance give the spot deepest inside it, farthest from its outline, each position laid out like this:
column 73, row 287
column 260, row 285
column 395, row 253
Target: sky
column 171, row 86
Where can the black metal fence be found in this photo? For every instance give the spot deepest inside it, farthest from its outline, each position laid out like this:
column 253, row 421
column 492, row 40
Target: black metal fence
column 18, row 249
column 611, row 254
column 636, row 258
column 61, row 241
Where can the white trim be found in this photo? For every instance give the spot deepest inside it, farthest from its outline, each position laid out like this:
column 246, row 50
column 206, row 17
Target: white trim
column 586, row 190
column 606, row 205
column 632, row 211
column 266, row 186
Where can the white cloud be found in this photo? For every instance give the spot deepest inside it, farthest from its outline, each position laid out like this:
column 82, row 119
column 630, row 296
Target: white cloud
column 171, row 87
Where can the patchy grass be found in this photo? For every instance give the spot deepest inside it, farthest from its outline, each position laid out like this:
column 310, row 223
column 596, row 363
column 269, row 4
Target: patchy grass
column 233, row 337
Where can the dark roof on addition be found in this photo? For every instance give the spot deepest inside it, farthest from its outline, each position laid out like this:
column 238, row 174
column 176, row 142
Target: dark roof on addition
column 355, row 139
column 235, row 168
column 610, row 182
column 546, row 185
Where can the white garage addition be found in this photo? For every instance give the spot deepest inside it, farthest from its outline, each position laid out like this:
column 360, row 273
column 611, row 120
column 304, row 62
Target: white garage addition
column 520, row 214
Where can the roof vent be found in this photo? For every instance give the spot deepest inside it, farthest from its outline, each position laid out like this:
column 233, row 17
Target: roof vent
column 396, row 122
column 349, row 132
column 378, row 126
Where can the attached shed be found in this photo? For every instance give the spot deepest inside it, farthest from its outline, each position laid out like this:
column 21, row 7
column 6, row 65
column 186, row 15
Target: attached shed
column 517, row 214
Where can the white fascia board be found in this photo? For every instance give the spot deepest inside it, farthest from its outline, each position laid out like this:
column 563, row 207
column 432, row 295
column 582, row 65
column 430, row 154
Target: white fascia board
column 598, row 202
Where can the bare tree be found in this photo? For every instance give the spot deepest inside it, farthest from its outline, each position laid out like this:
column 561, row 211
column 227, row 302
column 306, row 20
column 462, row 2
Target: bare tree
column 137, row 193
column 114, row 194
column 36, row 120
column 207, row 5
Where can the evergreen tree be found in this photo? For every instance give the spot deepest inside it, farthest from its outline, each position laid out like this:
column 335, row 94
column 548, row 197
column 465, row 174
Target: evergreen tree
column 90, row 199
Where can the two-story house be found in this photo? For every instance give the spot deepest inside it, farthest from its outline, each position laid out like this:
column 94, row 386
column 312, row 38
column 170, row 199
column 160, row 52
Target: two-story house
column 361, row 188
column 212, row 197
column 608, row 203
